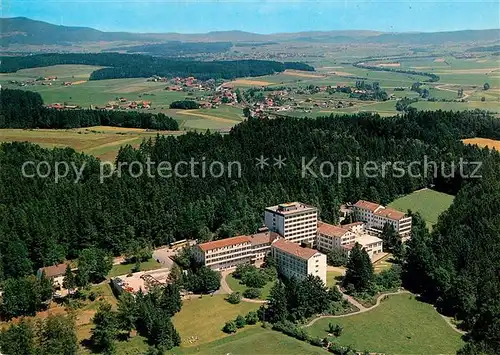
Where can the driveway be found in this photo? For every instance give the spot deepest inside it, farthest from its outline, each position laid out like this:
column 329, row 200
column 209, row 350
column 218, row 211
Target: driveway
column 163, row 256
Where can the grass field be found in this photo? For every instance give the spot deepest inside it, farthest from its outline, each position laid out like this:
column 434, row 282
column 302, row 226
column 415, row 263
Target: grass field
column 102, row 142
column 253, row 340
column 429, row 203
column 124, row 269
column 236, row 286
column 201, row 319
column 400, row 325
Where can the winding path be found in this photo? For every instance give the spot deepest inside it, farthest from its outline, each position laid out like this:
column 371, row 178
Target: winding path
column 226, row 289
column 362, row 308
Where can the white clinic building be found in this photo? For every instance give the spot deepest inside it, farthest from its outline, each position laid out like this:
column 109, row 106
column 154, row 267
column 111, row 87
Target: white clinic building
column 294, row 221
column 296, row 261
column 376, row 216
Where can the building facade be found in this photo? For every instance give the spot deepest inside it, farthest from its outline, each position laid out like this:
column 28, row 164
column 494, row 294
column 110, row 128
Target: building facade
column 295, row 221
column 230, row 252
column 296, row 261
column 376, row 216
column 346, row 236
column 331, row 236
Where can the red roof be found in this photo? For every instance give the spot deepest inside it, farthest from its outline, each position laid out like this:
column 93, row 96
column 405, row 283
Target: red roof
column 390, row 213
column 54, row 270
column 263, row 238
column 367, row 205
column 348, row 246
column 216, row 244
column 294, row 249
column 331, row 230
column 350, row 225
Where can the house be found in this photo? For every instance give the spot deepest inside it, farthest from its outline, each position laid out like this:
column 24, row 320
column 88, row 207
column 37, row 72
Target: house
column 54, row 272
column 294, row 260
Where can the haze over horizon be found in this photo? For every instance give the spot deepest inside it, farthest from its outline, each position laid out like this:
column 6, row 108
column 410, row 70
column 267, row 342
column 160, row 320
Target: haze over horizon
column 265, row 17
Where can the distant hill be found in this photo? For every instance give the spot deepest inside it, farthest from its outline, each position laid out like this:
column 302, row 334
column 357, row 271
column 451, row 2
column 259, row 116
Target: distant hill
column 438, row 37
column 21, row 30
column 24, row 31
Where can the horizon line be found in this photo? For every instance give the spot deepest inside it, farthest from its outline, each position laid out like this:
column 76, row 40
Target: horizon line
column 379, row 32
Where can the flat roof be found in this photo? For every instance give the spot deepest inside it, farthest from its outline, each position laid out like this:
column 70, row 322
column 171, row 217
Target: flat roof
column 367, row 239
column 291, row 208
column 295, row 249
column 216, row 244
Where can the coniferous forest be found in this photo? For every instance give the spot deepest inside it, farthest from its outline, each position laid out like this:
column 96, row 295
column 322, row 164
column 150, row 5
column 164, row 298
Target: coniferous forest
column 143, row 66
column 456, row 266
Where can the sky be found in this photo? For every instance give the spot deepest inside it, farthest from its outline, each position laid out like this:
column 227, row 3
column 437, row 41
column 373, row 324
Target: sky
column 260, row 16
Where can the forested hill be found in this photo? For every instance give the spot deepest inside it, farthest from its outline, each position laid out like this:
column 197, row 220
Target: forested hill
column 21, row 30
column 143, row 66
column 457, row 266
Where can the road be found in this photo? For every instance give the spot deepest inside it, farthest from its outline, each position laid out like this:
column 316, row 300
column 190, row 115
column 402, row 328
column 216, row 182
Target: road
column 163, row 256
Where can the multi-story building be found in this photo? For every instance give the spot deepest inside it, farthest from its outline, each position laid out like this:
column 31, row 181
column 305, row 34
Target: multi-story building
column 376, row 216
column 295, row 221
column 230, row 252
column 346, row 236
column 330, row 237
column 296, row 261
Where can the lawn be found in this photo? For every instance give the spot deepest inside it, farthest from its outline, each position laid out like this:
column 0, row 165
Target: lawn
column 400, row 325
column 254, row 340
column 429, row 203
column 331, row 277
column 201, row 319
column 383, row 264
column 124, row 269
column 235, row 285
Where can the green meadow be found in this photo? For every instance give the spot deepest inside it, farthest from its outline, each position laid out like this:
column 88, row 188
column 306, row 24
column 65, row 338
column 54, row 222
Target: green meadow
column 399, row 325
column 429, row 203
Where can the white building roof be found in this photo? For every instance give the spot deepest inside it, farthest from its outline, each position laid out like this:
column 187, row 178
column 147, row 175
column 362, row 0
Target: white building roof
column 367, row 239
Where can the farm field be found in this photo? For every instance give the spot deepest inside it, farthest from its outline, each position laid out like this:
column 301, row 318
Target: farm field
column 470, row 75
column 253, row 340
column 236, row 286
column 222, row 118
column 395, row 327
column 102, row 142
column 429, row 203
column 96, row 92
column 484, row 142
